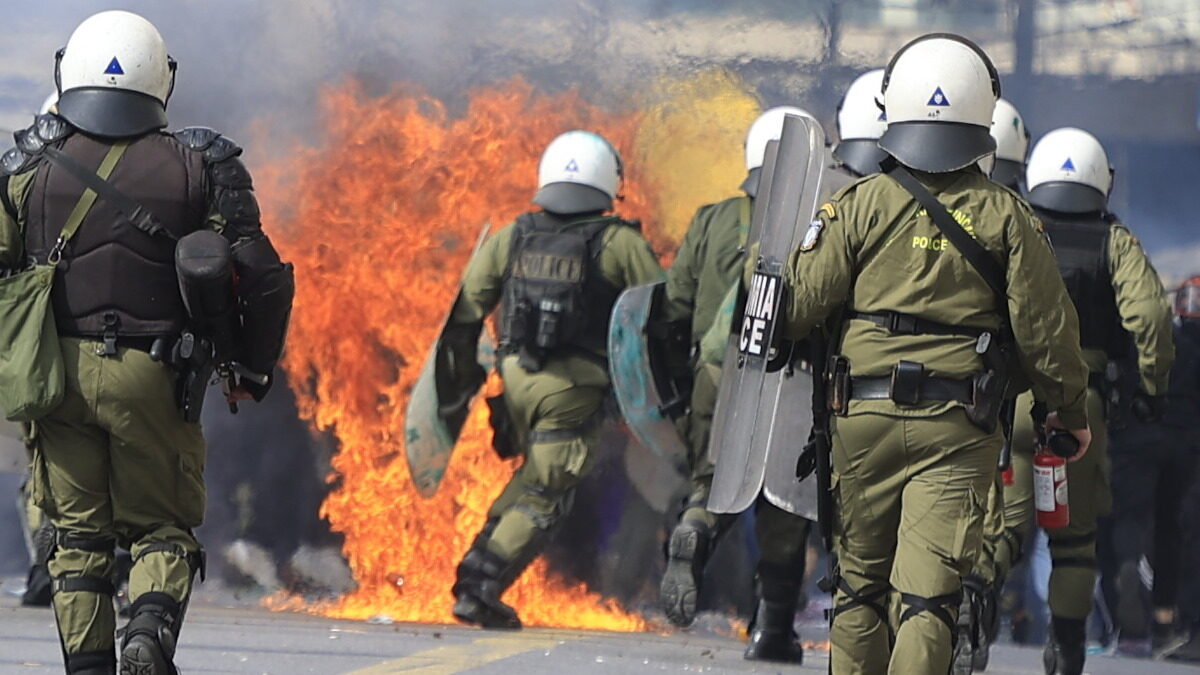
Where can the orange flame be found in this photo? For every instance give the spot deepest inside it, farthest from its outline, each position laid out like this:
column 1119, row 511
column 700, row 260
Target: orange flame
column 379, row 221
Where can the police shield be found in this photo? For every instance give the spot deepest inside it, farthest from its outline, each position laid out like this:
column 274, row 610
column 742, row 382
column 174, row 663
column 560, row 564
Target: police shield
column 648, row 362
column 763, row 410
column 429, row 433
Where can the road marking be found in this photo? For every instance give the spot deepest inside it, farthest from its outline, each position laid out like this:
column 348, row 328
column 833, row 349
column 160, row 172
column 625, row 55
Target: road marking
column 451, row 659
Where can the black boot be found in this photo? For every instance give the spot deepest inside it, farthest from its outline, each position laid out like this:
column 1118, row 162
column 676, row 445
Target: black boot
column 978, row 621
column 1065, row 651
column 477, row 592
column 687, row 554
column 92, row 663
column 151, row 635
column 772, row 635
column 37, row 587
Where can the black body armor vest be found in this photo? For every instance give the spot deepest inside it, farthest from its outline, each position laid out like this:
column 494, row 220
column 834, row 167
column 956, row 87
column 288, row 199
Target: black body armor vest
column 555, row 297
column 1081, row 247
column 113, row 277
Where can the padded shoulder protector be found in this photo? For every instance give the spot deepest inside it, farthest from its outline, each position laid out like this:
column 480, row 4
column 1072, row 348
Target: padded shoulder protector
column 196, row 138
column 216, row 148
column 232, row 186
column 46, row 129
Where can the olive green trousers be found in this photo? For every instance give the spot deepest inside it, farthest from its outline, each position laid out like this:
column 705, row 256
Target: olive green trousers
column 116, row 463
column 556, row 413
column 1072, row 548
column 911, row 495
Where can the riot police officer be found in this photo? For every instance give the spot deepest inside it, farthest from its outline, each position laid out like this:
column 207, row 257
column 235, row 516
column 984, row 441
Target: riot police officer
column 555, row 273
column 979, row 618
column 1118, row 296
column 911, row 306
column 706, row 266
column 1012, row 144
column 116, row 461
column 860, row 123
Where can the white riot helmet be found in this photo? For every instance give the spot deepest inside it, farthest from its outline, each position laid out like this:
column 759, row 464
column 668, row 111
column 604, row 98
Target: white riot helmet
column 939, row 92
column 49, row 104
column 1069, row 172
column 114, row 76
column 1012, row 145
column 860, row 123
column 768, row 127
column 580, row 172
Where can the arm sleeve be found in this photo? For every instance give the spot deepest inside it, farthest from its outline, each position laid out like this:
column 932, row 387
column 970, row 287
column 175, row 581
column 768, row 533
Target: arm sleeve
column 712, row 345
column 1142, row 304
column 483, row 280
column 1044, row 322
column 636, row 263
column 820, row 277
column 684, row 273
column 12, row 239
column 12, row 247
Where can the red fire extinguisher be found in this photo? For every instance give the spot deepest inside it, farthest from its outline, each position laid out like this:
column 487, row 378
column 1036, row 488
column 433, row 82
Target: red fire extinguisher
column 1050, row 495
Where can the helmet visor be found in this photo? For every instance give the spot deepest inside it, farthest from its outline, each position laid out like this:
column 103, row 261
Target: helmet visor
column 569, row 198
column 860, row 155
column 1008, row 173
column 1066, row 197
column 937, row 147
column 112, row 113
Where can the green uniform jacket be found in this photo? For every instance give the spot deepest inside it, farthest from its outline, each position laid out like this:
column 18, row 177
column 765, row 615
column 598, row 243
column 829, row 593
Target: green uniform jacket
column 877, row 250
column 625, row 260
column 1145, row 312
column 708, row 262
column 12, row 231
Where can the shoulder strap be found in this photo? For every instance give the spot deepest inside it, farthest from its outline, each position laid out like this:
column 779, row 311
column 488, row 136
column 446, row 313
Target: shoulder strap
column 972, row 250
column 135, row 213
column 524, row 223
column 86, row 200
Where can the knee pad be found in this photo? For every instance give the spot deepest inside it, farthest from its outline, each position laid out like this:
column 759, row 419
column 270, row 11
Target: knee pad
column 196, row 560
column 941, row 606
column 875, row 600
column 70, row 540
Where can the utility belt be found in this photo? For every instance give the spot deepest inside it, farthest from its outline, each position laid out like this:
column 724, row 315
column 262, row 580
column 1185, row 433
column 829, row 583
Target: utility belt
column 982, row 395
column 142, row 343
column 534, row 359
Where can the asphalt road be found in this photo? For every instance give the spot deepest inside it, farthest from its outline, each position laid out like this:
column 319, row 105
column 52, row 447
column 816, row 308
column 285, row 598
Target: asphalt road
column 241, row 640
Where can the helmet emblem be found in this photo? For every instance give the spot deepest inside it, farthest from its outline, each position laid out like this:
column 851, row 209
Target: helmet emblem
column 572, row 167
column 939, row 99
column 114, row 67
column 1068, row 165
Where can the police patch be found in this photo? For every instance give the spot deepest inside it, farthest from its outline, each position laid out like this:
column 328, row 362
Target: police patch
column 812, row 236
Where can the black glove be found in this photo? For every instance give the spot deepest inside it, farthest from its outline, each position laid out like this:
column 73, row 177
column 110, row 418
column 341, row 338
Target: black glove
column 457, row 373
column 1148, row 409
column 806, row 463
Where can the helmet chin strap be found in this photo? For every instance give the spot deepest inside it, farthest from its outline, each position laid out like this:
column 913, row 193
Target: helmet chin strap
column 58, row 56
column 173, row 67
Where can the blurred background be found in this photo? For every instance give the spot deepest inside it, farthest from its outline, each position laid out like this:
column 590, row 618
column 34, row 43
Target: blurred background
column 269, row 74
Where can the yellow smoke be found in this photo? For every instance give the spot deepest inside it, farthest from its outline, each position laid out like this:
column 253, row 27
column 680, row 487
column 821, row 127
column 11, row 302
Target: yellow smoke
column 690, row 142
